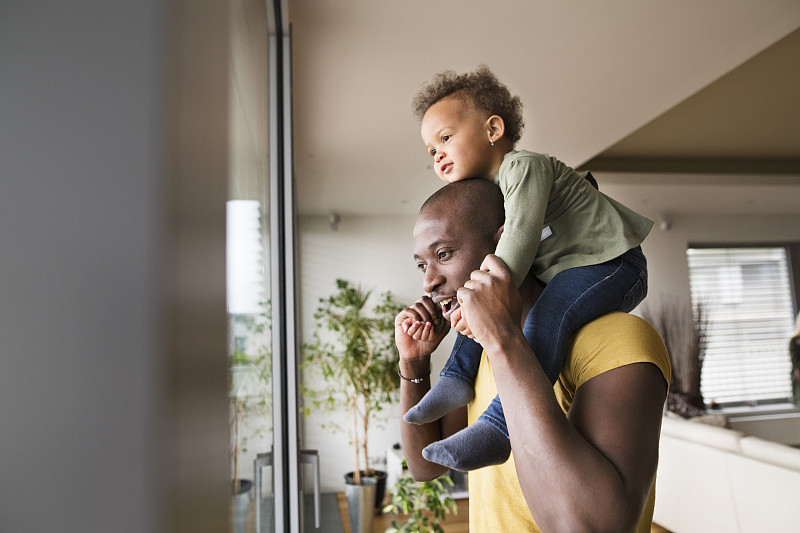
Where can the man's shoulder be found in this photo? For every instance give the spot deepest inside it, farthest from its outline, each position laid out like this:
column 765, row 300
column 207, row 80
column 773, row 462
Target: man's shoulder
column 615, row 324
column 614, row 340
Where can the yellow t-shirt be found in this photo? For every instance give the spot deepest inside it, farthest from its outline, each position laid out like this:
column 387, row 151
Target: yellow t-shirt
column 617, row 339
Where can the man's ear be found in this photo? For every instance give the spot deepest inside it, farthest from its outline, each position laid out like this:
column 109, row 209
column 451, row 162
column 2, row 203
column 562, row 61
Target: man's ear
column 495, row 127
column 496, row 237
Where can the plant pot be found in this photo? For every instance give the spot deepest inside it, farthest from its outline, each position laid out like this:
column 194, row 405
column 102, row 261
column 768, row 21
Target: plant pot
column 360, row 500
column 240, row 505
column 380, row 487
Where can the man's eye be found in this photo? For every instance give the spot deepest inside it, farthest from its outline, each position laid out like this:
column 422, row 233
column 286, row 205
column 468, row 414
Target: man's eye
column 421, row 267
column 443, row 255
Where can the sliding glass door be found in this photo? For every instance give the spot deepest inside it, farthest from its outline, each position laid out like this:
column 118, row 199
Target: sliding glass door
column 249, row 271
column 266, row 456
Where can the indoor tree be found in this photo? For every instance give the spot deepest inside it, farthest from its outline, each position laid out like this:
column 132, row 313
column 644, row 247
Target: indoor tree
column 353, row 349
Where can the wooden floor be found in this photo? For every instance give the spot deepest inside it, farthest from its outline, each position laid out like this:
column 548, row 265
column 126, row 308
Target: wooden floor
column 458, row 523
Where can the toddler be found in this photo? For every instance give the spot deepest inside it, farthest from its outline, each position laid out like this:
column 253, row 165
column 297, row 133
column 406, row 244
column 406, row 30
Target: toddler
column 582, row 244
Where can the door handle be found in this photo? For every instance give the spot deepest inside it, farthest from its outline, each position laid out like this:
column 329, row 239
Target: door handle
column 312, row 457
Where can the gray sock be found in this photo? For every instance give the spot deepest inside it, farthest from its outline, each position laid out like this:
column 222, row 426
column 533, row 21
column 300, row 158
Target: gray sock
column 445, row 395
column 476, row 446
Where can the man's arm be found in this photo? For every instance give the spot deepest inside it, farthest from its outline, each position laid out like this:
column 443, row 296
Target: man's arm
column 416, row 338
column 593, row 470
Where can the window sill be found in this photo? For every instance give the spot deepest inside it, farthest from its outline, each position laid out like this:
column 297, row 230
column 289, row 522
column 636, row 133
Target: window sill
column 764, row 410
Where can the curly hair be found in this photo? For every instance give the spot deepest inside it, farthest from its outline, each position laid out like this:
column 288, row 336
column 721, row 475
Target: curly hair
column 484, row 90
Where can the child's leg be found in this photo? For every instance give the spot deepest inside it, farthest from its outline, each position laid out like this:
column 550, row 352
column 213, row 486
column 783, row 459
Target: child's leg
column 455, row 387
column 571, row 299
column 577, row 296
column 484, row 443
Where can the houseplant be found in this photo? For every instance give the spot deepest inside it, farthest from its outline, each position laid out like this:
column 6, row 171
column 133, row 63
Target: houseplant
column 683, row 329
column 352, row 348
column 421, row 500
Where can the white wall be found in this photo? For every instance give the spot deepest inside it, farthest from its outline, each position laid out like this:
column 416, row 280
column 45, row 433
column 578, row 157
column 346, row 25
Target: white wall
column 666, row 250
column 377, row 251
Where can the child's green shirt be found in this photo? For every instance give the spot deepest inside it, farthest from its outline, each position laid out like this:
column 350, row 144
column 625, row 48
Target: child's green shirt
column 556, row 220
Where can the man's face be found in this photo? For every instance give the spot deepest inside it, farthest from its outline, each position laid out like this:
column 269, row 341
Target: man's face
column 447, row 250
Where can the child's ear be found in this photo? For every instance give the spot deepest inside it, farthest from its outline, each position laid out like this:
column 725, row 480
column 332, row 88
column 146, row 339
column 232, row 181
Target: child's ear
column 495, row 127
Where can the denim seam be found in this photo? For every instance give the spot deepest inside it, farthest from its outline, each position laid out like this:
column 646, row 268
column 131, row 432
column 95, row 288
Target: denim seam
column 454, row 375
column 498, row 424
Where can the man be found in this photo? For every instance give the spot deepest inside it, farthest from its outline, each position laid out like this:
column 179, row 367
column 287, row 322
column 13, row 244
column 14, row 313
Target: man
column 591, row 470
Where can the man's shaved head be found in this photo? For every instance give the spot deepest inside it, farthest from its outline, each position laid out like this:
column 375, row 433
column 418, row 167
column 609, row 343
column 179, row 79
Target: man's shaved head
column 476, row 202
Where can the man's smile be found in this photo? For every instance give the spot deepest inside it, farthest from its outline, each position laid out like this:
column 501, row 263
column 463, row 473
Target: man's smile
column 448, row 305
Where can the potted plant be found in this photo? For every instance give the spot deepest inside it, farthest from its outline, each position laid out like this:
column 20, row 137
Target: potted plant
column 683, row 329
column 353, row 350
column 249, row 398
column 428, row 503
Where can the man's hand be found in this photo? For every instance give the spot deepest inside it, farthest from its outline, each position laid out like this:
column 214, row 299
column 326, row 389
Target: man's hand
column 417, row 335
column 419, row 329
column 489, row 302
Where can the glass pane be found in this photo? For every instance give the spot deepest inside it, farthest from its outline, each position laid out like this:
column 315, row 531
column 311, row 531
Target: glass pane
column 248, row 271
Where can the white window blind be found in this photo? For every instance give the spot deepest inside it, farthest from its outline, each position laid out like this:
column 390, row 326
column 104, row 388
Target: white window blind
column 746, row 296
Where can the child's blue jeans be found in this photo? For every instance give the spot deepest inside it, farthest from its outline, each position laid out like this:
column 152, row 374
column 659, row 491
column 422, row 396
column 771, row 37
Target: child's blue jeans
column 573, row 298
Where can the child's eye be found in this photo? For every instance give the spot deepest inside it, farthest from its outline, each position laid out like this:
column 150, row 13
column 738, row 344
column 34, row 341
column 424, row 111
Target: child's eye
column 433, row 151
column 445, row 138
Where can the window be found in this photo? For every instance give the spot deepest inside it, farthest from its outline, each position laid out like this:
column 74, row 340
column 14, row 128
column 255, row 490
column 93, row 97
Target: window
column 746, row 295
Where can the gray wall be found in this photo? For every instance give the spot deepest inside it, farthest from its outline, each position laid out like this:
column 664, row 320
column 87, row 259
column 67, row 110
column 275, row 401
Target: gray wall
column 81, row 182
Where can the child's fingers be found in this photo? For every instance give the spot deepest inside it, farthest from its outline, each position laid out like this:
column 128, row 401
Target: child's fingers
column 423, row 310
column 423, row 329
column 427, row 332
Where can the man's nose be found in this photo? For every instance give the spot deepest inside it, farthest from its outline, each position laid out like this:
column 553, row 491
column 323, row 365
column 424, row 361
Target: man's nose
column 432, row 280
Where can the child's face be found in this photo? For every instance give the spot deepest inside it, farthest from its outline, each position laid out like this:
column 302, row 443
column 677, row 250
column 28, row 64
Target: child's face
column 458, row 139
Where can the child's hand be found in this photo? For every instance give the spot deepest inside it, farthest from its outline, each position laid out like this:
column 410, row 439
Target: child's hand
column 419, row 329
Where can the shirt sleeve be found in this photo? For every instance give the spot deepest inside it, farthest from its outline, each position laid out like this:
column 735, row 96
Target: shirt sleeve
column 611, row 341
column 526, row 182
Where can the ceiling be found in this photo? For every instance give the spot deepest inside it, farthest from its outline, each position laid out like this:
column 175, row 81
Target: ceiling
column 655, row 98
column 746, row 121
